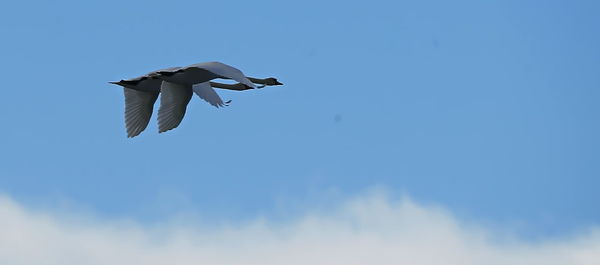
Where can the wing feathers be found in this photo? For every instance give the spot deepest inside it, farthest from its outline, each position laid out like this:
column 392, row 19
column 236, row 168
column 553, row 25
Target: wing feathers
column 138, row 110
column 206, row 92
column 173, row 102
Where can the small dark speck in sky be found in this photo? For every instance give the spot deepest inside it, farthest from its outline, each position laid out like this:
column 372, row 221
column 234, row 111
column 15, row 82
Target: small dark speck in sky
column 337, row 118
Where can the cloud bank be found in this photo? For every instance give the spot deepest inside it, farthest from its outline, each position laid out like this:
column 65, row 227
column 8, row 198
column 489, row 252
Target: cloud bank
column 366, row 230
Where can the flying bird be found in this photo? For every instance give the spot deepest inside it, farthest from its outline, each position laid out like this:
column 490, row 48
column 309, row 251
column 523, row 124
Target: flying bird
column 175, row 86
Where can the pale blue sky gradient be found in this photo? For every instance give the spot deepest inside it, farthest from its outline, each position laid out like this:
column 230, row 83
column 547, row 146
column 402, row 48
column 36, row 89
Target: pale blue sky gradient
column 489, row 108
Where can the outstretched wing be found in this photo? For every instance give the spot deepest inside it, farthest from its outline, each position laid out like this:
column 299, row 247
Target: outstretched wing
column 224, row 70
column 173, row 102
column 206, row 92
column 138, row 110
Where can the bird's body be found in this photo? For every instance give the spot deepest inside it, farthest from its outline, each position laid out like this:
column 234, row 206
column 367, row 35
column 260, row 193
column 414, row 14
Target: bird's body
column 175, row 86
column 203, row 72
column 142, row 83
column 189, row 76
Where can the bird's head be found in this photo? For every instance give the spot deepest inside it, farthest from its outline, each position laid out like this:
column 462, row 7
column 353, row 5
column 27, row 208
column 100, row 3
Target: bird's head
column 272, row 81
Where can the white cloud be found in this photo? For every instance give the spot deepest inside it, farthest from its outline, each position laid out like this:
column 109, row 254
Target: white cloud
column 366, row 230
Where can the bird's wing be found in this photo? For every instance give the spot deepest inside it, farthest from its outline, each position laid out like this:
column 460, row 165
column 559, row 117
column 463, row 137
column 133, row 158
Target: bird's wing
column 173, row 102
column 224, row 70
column 165, row 70
column 206, row 92
column 138, row 110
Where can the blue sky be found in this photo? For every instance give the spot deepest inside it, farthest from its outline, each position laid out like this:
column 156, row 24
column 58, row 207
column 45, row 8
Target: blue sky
column 486, row 108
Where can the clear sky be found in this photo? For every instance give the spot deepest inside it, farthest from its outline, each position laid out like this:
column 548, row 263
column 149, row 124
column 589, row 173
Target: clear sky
column 488, row 109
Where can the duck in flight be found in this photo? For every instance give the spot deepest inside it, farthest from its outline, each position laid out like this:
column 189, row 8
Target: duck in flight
column 175, row 86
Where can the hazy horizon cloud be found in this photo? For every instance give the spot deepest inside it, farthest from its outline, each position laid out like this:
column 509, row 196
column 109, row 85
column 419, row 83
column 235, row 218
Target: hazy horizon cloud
column 369, row 229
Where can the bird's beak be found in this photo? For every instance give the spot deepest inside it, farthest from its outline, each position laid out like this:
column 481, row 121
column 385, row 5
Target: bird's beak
column 115, row 83
column 277, row 83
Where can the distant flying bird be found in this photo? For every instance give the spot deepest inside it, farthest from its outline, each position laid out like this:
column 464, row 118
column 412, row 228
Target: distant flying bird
column 175, row 86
